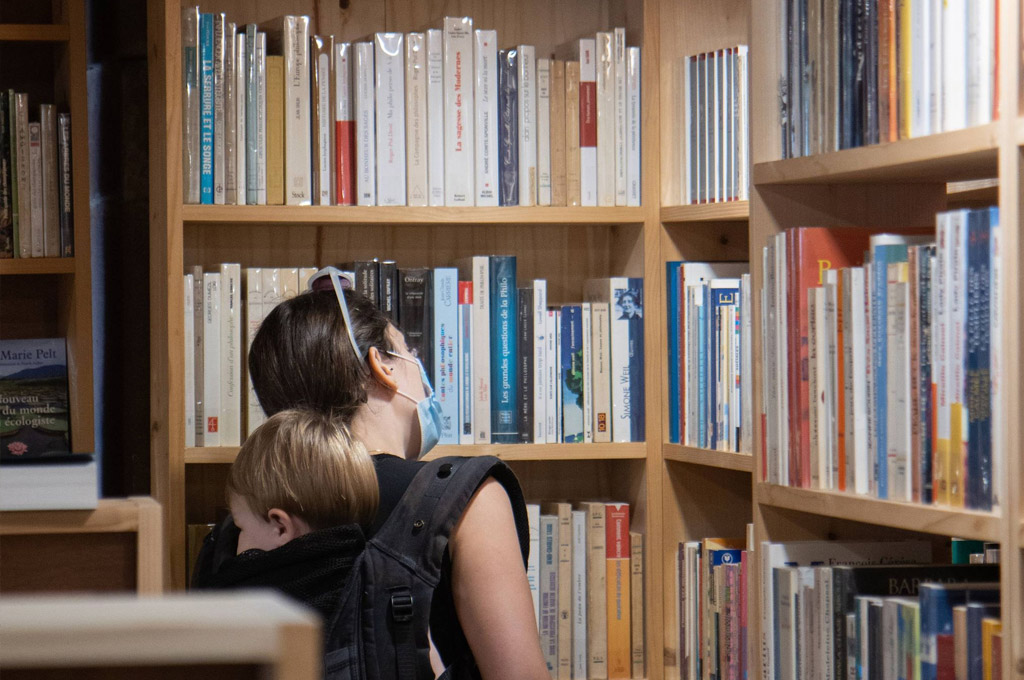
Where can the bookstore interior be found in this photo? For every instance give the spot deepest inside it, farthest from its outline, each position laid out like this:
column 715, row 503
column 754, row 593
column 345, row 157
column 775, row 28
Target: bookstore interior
column 726, row 284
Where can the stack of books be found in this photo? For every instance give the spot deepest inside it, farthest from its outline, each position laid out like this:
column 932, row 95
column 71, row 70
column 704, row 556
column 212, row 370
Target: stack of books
column 858, row 72
column 274, row 115
column 883, row 377
column 586, row 576
column 709, row 355
column 36, row 215
column 507, row 367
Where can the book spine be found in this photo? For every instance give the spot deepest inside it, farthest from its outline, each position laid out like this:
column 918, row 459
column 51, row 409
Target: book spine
column 604, row 58
column 622, row 106
column 367, row 275
column 556, row 126
column 502, row 288
column 35, row 162
column 230, row 114
column 211, row 358
column 543, row 132
column 190, row 96
column 572, row 374
column 601, row 384
column 579, row 594
column 978, row 388
column 344, row 127
column 634, row 126
column 297, row 130
column 573, row 189
column 198, row 326
column 274, row 139
column 619, row 659
column 524, row 365
column 365, row 132
column 996, row 360
column 588, row 122
column 924, row 340
column 262, row 162
column 446, row 351
column 549, row 592
column 466, row 428
column 206, row 109
column 486, row 105
column 253, row 318
column 321, row 50
column 480, row 268
column 526, row 100
column 597, row 594
column 587, row 360
column 190, row 359
column 219, row 118
column 956, row 24
column 7, row 179
column 508, row 129
column 563, row 512
column 940, row 359
column 24, row 174
column 458, row 111
column 415, row 301
column 981, row 62
column 241, row 132
column 672, row 279
column 539, row 368
column 389, row 72
column 435, row 116
column 51, row 200
column 416, row 166
column 552, row 390
column 957, row 329
column 66, row 202
column 387, row 289
column 533, row 561
column 557, row 397
column 636, row 598
column 230, row 355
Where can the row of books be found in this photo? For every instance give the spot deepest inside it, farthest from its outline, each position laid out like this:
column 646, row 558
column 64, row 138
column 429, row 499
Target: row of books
column 586, row 576
column 709, row 355
column 858, row 72
column 882, row 376
column 275, row 115
column 36, row 217
column 716, row 126
column 506, row 367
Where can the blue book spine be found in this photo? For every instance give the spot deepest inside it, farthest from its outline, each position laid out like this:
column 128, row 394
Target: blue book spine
column 924, row 268
column 206, row 108
column 637, row 405
column 446, row 351
column 252, row 161
column 702, row 365
column 976, row 611
column 979, row 384
column 508, row 128
column 572, row 373
column 504, row 386
column 937, row 602
column 720, row 297
column 672, row 283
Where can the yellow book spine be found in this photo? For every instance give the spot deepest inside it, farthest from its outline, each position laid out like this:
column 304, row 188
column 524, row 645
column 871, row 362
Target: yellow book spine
column 275, row 130
column 905, row 80
column 989, row 628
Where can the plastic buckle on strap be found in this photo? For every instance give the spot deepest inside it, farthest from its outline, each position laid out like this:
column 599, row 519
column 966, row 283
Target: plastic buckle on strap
column 401, row 607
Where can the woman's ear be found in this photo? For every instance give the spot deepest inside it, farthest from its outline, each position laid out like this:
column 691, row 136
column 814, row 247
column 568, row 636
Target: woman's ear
column 380, row 371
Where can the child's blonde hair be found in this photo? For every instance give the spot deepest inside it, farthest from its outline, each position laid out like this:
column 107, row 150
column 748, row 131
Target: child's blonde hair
column 306, row 464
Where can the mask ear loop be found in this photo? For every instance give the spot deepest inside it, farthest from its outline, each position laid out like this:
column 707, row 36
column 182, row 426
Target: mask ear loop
column 339, row 293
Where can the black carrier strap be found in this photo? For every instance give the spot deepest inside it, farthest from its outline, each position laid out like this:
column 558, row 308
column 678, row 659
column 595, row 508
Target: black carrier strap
column 418, row 530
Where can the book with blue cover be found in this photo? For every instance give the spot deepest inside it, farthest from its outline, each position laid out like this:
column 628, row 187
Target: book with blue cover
column 508, row 128
column 504, row 336
column 206, row 130
column 674, row 315
column 571, row 351
column 937, row 602
column 978, row 482
column 976, row 613
column 446, row 350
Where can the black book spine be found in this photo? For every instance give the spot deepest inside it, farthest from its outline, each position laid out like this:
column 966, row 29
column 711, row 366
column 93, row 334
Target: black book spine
column 846, row 73
column 525, row 360
column 67, row 224
column 415, row 295
column 508, row 129
column 368, row 280
column 6, row 179
column 875, row 641
column 388, row 288
column 870, row 72
column 842, row 604
column 859, row 94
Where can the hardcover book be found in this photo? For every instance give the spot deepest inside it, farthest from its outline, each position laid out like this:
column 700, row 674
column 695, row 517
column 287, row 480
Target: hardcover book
column 366, row 128
column 321, row 52
column 504, row 336
column 344, row 127
column 416, row 163
column 34, row 407
column 435, row 115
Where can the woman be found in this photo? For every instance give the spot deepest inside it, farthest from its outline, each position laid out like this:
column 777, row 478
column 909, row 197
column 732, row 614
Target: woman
column 335, row 352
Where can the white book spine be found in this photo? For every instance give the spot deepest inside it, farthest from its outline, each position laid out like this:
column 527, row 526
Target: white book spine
column 416, row 158
column 633, row 126
column 605, row 62
column 230, row 355
column 600, row 385
column 458, row 112
column 325, row 141
column 344, row 126
column 955, row 27
column 898, row 381
column 540, row 313
column 230, row 114
column 588, row 147
column 435, row 116
column 858, row 325
column 579, row 594
column 549, row 591
column 920, row 118
column 551, row 378
column 219, row 111
column 253, row 318
column 486, row 94
column 190, row 367
column 389, row 70
column 621, row 116
column 35, row 164
column 604, row 290
column 743, row 61
column 533, row 562
column 51, row 204
column 588, row 374
column 934, row 35
column 981, row 60
column 482, row 349
column 446, row 350
column 688, row 150
column 289, row 277
column 240, row 153
column 526, row 98
column 543, row 132
column 261, row 118
column 25, row 174
column 297, row 143
column 366, row 127
column 211, row 358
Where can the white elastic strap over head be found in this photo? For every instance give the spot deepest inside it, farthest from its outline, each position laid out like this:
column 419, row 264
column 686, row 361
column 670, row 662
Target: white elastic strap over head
column 339, row 293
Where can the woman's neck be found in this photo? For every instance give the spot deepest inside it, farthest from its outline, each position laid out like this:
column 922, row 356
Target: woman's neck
column 377, row 426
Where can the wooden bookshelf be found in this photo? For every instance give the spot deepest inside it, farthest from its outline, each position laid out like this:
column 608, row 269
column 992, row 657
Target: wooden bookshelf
column 37, row 265
column 706, row 212
column 725, row 460
column 35, row 33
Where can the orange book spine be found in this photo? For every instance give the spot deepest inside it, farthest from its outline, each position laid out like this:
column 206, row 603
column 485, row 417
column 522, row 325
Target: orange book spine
column 617, row 580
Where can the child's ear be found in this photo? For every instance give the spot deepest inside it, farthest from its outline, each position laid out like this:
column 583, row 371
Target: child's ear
column 286, row 526
column 381, row 372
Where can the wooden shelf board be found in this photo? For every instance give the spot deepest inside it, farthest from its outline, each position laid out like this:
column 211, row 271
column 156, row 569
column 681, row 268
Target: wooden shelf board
column 949, row 156
column 744, row 462
column 266, row 214
column 37, row 265
column 34, row 33
column 508, row 452
column 112, row 515
column 929, row 519
column 706, row 212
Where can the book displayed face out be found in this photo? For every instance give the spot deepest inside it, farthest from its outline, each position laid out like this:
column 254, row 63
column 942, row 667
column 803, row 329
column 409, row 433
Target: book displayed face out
column 34, row 420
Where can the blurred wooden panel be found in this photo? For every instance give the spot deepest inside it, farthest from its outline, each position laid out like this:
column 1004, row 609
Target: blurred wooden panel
column 99, row 562
column 210, row 672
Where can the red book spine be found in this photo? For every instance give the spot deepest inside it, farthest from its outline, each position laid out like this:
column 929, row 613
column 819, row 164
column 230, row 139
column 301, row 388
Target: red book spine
column 588, row 113
column 945, row 657
column 465, row 292
column 344, row 171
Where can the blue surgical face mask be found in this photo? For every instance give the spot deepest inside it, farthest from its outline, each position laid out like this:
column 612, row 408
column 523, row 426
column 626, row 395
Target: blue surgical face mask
column 428, row 410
